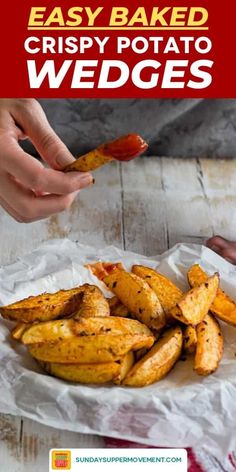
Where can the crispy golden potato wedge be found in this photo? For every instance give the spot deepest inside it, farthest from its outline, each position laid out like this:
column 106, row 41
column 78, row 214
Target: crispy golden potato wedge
column 93, row 303
column 195, row 304
column 210, row 345
column 51, row 331
column 83, row 373
column 190, row 339
column 19, row 330
column 223, row 306
column 139, row 298
column 89, row 349
column 166, row 291
column 117, row 308
column 47, row 306
column 91, row 373
column 158, row 361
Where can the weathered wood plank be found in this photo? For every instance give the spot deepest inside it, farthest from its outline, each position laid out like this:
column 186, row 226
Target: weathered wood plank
column 219, row 178
column 187, row 209
column 144, row 217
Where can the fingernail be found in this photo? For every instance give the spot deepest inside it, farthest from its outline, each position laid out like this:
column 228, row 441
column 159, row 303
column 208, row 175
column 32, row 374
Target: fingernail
column 86, row 180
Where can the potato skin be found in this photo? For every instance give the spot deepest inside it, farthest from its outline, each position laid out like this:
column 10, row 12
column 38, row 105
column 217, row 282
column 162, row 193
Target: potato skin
column 223, row 306
column 166, row 291
column 47, row 306
column 158, row 361
column 90, row 161
column 195, row 304
column 210, row 345
column 139, row 298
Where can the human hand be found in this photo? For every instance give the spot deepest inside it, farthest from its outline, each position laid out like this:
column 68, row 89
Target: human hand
column 28, row 190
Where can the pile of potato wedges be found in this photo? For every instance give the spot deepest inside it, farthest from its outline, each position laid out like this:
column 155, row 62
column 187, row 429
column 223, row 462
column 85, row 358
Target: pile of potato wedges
column 132, row 339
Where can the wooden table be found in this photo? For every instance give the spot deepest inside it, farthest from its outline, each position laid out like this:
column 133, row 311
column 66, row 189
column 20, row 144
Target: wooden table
column 146, row 206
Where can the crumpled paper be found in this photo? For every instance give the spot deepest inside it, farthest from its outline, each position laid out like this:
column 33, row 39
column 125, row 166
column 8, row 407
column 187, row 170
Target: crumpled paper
column 182, row 410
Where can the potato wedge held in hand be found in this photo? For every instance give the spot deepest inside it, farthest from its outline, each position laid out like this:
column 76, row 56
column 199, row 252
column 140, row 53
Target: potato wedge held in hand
column 91, row 373
column 166, row 291
column 223, row 306
column 195, row 304
column 158, row 361
column 47, row 306
column 124, row 148
column 190, row 339
column 210, row 345
column 139, row 298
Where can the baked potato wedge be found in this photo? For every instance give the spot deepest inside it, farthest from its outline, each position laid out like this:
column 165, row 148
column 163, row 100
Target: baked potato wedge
column 195, row 304
column 89, row 349
column 91, row 373
column 58, row 330
column 158, row 361
column 190, row 339
column 166, row 291
column 138, row 297
column 117, row 308
column 210, row 345
column 44, row 307
column 223, row 306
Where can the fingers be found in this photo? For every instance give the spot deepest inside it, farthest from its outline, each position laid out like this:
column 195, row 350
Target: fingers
column 32, row 174
column 10, row 211
column 33, row 122
column 25, row 206
column 223, row 247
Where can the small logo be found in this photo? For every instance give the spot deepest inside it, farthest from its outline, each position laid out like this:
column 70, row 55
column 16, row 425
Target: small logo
column 61, row 460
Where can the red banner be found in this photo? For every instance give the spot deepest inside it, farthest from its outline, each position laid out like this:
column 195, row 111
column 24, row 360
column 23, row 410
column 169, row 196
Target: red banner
column 119, row 49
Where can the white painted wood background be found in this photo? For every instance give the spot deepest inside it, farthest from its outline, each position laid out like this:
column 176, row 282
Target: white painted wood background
column 146, row 206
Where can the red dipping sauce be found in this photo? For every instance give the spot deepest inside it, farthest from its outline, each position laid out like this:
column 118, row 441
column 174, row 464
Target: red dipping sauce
column 125, row 148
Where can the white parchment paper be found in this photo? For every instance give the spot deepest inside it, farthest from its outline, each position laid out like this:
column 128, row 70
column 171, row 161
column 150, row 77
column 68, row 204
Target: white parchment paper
column 183, row 410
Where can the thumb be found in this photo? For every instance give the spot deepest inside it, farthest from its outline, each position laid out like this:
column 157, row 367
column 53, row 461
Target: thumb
column 33, row 121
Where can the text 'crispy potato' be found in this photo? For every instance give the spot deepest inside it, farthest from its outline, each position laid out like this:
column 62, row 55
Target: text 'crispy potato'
column 166, row 291
column 210, row 346
column 223, row 306
column 139, row 298
column 158, row 361
column 195, row 304
column 91, row 373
